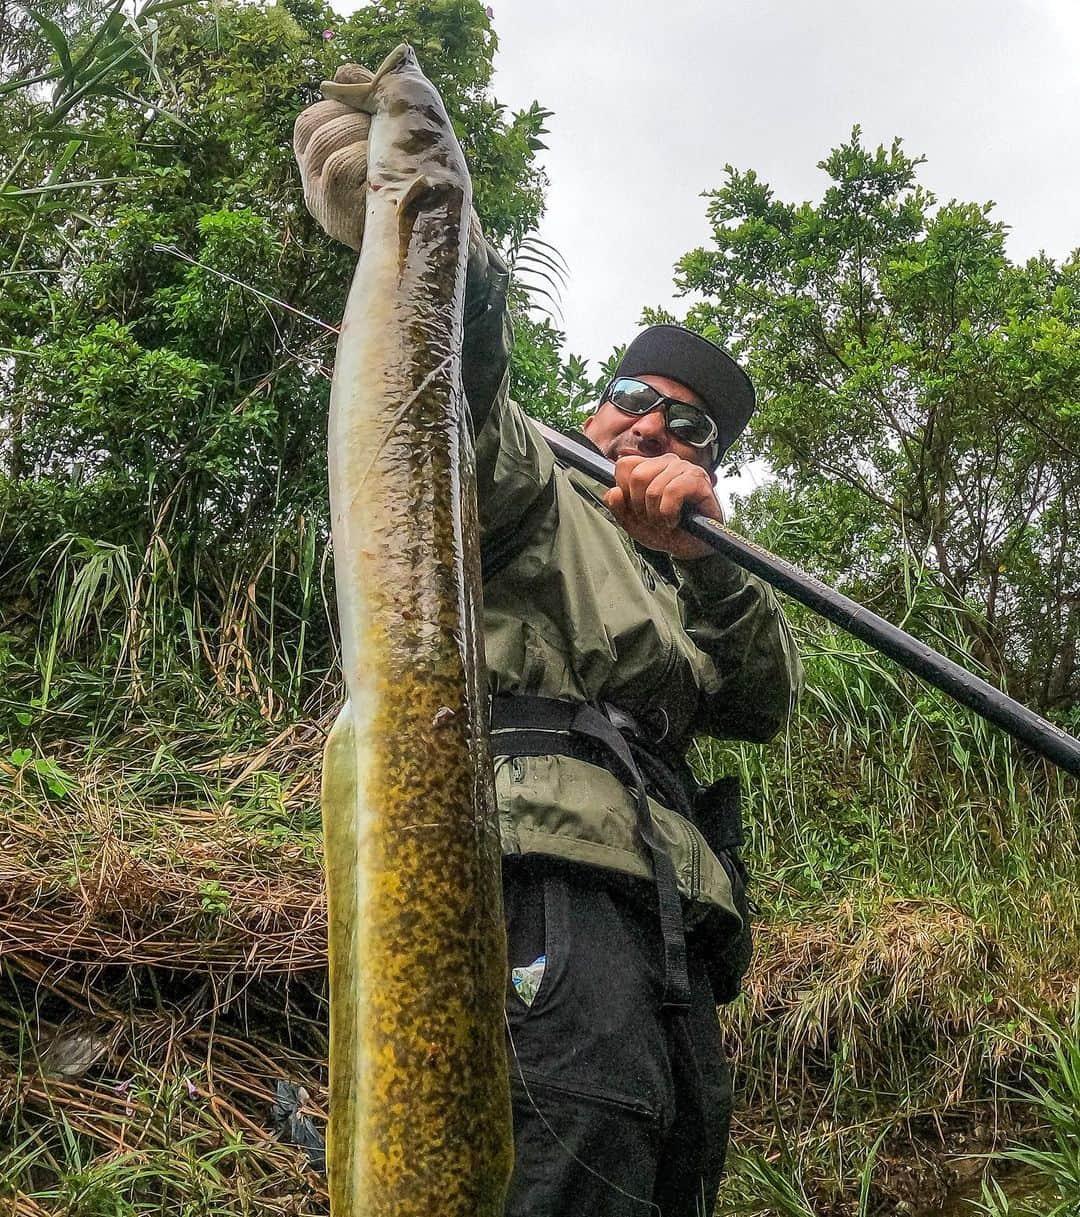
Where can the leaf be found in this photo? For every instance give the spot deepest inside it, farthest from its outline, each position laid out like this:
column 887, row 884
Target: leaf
column 58, row 782
column 159, row 109
column 165, row 6
column 96, row 137
column 20, row 756
column 113, row 22
column 56, row 40
column 116, row 64
column 26, row 81
column 64, row 159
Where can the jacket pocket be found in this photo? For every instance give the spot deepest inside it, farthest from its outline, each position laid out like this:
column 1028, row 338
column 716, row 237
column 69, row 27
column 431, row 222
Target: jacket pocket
column 528, row 1002
column 537, row 1086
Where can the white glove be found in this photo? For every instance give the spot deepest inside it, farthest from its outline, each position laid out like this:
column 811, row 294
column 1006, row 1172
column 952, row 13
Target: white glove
column 330, row 142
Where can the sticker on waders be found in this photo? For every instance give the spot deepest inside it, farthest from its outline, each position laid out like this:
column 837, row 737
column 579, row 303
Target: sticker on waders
column 527, row 979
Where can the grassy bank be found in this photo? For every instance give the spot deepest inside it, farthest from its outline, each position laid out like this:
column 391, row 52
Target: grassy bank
column 163, row 934
column 920, row 887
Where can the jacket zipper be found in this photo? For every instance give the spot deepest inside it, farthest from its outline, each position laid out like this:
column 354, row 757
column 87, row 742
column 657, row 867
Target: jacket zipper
column 670, row 660
column 695, row 865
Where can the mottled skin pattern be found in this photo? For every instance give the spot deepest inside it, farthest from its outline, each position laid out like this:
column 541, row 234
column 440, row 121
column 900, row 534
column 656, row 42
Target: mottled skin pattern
column 419, row 1103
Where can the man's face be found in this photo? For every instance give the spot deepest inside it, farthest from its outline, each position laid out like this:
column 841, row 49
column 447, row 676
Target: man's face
column 617, row 434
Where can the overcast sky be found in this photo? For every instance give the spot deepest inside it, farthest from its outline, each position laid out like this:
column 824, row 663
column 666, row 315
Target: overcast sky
column 650, row 100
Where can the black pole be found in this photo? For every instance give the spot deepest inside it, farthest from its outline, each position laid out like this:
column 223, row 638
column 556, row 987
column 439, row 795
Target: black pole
column 961, row 685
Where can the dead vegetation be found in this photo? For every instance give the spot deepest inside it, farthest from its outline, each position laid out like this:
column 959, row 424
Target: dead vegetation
column 162, row 939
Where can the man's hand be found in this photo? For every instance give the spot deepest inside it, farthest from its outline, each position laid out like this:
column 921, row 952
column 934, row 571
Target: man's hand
column 650, row 495
column 330, row 142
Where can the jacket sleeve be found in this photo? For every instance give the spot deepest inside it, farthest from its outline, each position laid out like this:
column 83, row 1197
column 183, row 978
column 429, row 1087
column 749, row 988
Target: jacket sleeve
column 736, row 620
column 513, row 463
column 486, row 343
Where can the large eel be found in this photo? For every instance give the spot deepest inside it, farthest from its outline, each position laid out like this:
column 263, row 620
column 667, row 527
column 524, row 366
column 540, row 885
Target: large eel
column 419, row 1101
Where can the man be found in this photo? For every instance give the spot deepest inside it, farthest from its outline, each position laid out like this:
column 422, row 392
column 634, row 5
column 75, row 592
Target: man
column 612, row 638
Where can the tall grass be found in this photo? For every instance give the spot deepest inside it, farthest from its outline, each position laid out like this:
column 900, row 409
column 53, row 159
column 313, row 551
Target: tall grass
column 919, row 877
column 122, row 637
column 1049, row 1170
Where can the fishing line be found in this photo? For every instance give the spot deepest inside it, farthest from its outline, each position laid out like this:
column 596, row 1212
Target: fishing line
column 400, row 413
column 561, row 1143
column 289, row 308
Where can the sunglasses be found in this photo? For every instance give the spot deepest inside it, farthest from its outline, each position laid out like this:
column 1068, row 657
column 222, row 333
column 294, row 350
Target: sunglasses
column 684, row 420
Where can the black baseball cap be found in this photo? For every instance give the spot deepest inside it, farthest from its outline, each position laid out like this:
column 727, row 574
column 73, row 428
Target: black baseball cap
column 680, row 354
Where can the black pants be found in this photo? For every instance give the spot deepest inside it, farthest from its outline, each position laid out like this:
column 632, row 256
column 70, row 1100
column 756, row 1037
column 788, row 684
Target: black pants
column 620, row 1108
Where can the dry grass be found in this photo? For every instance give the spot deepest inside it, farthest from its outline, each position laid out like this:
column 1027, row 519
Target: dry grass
column 162, row 936
column 162, row 923
column 141, row 1098
column 104, row 873
column 162, row 1074
column 877, row 967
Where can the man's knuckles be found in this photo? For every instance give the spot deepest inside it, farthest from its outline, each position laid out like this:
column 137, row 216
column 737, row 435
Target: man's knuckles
column 352, row 74
column 649, row 476
column 671, row 506
column 636, row 473
column 345, row 172
column 345, row 131
column 650, row 496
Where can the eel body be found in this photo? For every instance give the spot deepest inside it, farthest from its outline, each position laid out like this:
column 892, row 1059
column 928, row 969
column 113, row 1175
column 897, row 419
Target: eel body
column 419, row 1103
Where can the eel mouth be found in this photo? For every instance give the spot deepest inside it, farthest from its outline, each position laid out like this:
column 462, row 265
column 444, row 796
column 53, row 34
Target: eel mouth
column 402, row 56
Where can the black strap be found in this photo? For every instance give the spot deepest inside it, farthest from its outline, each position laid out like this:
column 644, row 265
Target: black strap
column 499, row 548
column 544, row 726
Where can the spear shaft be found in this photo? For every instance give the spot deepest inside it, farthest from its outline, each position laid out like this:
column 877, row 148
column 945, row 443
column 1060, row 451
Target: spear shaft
column 961, row 685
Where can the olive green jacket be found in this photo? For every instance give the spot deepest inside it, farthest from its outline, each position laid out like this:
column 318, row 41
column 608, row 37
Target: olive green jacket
column 580, row 612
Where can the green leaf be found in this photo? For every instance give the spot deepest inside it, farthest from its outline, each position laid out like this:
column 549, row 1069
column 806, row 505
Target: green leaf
column 63, row 160
column 164, row 6
column 24, row 82
column 56, row 40
column 58, row 782
column 20, row 756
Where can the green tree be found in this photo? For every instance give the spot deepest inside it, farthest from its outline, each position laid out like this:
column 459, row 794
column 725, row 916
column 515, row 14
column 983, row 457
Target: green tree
column 165, row 330
column 920, row 401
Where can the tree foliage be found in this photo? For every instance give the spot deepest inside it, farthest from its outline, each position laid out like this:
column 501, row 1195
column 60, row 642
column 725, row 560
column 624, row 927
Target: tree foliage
column 920, row 400
column 165, row 325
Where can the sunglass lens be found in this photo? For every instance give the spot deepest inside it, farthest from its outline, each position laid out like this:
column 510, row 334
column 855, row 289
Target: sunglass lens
column 688, row 423
column 633, row 396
